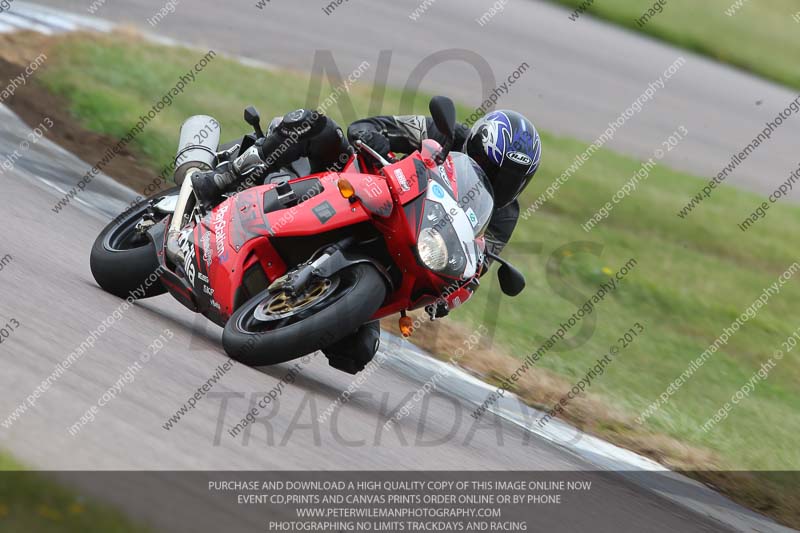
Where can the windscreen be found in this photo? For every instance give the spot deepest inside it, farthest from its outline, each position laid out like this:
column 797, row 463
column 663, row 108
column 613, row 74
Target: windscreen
column 474, row 193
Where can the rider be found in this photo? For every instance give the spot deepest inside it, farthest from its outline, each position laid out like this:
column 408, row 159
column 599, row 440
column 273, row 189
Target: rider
column 504, row 143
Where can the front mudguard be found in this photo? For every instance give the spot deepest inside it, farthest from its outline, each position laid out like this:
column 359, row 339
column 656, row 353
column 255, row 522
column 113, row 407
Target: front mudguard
column 334, row 260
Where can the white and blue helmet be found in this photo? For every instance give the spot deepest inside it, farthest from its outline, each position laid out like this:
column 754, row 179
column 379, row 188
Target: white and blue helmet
column 507, row 147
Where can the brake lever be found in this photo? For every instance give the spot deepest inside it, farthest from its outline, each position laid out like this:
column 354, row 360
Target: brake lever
column 361, row 145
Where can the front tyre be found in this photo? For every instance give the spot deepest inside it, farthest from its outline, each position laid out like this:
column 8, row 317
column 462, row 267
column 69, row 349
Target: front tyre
column 274, row 327
column 123, row 258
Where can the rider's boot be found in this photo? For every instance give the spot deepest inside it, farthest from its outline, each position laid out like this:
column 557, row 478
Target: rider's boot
column 209, row 186
column 353, row 353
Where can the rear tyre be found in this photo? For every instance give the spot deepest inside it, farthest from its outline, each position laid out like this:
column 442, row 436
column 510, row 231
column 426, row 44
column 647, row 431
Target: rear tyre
column 123, row 260
column 267, row 331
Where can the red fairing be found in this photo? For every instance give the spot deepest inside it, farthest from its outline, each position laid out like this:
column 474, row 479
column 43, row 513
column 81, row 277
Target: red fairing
column 329, row 210
column 233, row 252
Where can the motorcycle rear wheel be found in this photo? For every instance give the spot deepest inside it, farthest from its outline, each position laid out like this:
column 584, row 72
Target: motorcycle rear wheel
column 122, row 260
column 347, row 301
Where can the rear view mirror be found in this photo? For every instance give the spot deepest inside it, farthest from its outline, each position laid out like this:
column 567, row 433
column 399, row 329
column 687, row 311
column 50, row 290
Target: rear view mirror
column 512, row 281
column 443, row 112
column 252, row 117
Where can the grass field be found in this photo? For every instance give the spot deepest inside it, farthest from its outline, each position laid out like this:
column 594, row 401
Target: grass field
column 33, row 504
column 692, row 279
column 760, row 36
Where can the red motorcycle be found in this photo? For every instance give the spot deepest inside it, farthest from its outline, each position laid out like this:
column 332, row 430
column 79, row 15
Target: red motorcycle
column 291, row 267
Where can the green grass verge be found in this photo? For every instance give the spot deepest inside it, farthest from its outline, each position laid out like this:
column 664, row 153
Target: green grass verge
column 693, row 277
column 33, row 504
column 762, row 36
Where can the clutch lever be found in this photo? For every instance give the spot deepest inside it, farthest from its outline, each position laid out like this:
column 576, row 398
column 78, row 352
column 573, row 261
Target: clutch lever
column 226, row 154
column 362, row 146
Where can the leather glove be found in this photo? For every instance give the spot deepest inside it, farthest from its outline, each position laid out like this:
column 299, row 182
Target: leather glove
column 301, row 124
column 374, row 140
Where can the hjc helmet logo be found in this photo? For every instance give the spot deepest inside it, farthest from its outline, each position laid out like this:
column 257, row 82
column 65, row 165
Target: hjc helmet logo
column 519, row 157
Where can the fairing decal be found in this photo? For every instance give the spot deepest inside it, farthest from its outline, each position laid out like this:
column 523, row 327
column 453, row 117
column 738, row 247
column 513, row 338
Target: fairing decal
column 248, row 219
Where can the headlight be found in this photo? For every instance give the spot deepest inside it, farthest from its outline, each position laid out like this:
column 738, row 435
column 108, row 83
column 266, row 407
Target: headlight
column 432, row 249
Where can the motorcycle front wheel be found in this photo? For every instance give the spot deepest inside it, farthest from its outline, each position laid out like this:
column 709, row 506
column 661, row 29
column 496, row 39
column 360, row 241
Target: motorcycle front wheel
column 274, row 327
